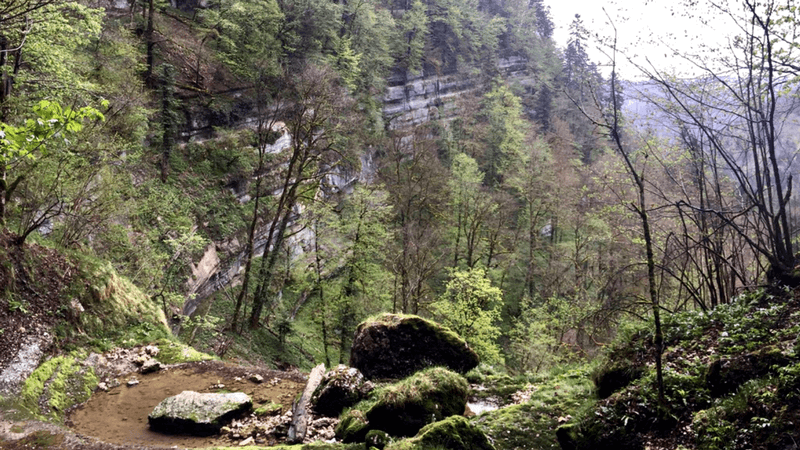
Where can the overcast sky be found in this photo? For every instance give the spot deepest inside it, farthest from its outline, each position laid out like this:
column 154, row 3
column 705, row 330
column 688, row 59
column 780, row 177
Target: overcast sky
column 643, row 28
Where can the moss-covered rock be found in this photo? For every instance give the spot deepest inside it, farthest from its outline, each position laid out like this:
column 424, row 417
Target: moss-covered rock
column 554, row 399
column 340, row 388
column 377, row 439
column 173, row 352
column 614, row 376
column 270, row 409
column 453, row 433
column 353, row 426
column 113, row 304
column 57, row 385
column 725, row 375
column 403, row 408
column 395, row 346
column 198, row 414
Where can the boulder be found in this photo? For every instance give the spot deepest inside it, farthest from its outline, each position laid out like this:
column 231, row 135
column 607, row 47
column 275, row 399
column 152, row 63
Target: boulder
column 453, row 433
column 611, row 378
column 726, row 374
column 340, row 388
column 198, row 414
column 150, row 366
column 394, row 346
column 403, row 408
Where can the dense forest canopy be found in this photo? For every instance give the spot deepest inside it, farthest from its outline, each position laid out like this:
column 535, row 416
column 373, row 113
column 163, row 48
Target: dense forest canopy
column 516, row 194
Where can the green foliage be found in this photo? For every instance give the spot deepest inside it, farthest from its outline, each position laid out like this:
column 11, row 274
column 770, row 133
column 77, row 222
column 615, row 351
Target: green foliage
column 537, row 338
column 554, row 397
column 402, row 408
column 470, row 306
column 174, row 352
column 713, row 431
column 55, row 53
column 51, row 120
column 412, row 30
column 506, row 131
column 56, row 385
column 455, row 432
column 15, row 305
column 248, row 36
column 350, row 239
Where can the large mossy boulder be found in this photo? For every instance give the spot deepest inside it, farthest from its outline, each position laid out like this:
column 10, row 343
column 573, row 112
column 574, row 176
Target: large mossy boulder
column 340, row 388
column 453, row 433
column 403, row 408
column 198, row 414
column 725, row 375
column 396, row 346
column 612, row 377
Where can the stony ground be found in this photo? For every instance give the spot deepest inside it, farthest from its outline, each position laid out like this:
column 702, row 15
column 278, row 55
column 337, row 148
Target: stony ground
column 31, row 302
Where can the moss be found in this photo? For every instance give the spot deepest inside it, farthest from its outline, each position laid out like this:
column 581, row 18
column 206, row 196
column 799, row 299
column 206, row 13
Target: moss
column 614, row 376
column 270, row 409
column 117, row 313
column 453, row 433
column 172, row 352
column 416, row 323
column 34, row 385
column 554, row 398
column 353, row 426
column 377, row 439
column 59, row 383
column 402, row 408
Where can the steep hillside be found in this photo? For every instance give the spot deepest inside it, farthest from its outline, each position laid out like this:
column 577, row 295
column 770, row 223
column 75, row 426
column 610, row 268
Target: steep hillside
column 52, row 303
column 731, row 380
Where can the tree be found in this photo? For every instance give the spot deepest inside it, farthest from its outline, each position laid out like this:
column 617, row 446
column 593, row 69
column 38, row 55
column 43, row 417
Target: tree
column 739, row 110
column 585, row 91
column 415, row 180
column 470, row 306
column 472, row 208
column 350, row 240
column 504, row 134
column 52, row 126
column 611, row 122
column 319, row 118
column 169, row 118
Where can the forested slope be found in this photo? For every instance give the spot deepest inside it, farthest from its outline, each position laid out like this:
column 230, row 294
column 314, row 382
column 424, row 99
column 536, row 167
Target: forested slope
column 270, row 173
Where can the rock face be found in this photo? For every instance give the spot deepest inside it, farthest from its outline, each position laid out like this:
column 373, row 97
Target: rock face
column 341, row 388
column 394, row 347
column 198, row 414
column 403, row 408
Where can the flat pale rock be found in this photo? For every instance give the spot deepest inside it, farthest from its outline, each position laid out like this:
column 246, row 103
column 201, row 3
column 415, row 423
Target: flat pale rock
column 198, row 414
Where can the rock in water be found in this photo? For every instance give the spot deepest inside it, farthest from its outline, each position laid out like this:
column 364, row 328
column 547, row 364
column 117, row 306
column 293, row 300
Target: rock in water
column 394, row 346
column 198, row 414
column 341, row 388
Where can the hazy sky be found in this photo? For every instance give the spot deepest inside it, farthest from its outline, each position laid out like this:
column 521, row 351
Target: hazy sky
column 644, row 28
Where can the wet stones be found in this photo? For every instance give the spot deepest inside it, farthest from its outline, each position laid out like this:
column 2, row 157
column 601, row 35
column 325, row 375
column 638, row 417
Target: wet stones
column 198, row 414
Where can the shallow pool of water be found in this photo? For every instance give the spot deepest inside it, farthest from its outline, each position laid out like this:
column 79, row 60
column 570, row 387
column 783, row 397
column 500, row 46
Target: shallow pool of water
column 119, row 416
